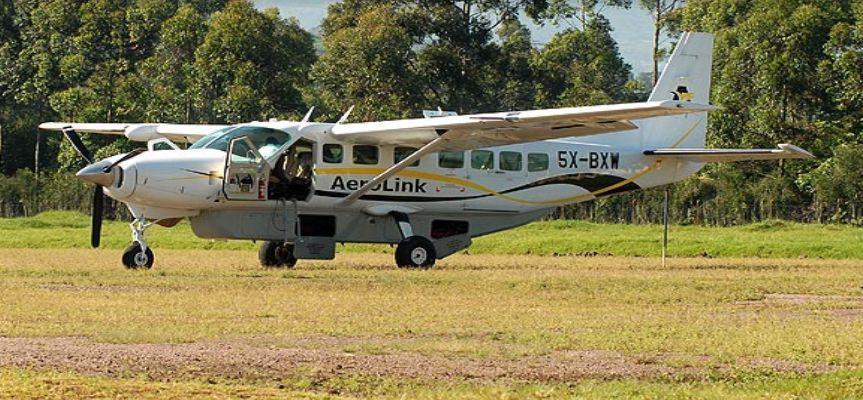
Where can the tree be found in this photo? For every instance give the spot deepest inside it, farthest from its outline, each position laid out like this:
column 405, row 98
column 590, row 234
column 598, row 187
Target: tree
column 370, row 65
column 517, row 74
column 838, row 184
column 842, row 75
column 583, row 11
column 455, row 59
column 167, row 78
column 661, row 11
column 251, row 65
column 581, row 67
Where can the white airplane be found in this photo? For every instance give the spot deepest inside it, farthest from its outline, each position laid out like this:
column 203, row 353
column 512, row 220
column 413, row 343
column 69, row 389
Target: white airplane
column 428, row 185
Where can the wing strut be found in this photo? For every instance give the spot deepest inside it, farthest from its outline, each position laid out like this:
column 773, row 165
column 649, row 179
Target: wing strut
column 431, row 147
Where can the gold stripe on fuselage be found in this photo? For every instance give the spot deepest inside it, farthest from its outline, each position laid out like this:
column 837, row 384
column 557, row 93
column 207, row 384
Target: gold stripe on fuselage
column 466, row 183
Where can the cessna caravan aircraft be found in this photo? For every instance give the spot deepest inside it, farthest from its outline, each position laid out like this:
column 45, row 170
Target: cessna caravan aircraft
column 428, row 185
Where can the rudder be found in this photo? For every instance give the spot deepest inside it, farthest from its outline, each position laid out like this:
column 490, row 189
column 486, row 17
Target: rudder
column 686, row 77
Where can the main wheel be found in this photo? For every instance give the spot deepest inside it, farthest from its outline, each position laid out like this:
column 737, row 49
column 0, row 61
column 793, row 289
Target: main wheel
column 277, row 254
column 415, row 252
column 134, row 258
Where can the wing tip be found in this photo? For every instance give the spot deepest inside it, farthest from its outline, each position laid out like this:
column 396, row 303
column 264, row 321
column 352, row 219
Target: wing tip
column 798, row 152
column 53, row 126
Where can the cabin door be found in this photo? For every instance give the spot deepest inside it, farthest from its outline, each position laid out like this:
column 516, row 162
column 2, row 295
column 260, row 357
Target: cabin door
column 246, row 172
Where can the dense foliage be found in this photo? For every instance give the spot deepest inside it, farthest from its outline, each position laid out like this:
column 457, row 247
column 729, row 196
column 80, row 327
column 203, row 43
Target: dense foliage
column 789, row 70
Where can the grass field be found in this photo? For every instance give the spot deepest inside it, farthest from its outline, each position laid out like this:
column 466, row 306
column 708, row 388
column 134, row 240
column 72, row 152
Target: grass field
column 211, row 323
column 214, row 324
column 774, row 239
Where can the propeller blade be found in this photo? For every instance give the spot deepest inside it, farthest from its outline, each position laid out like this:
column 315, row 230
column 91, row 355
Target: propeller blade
column 76, row 142
column 128, row 155
column 96, row 222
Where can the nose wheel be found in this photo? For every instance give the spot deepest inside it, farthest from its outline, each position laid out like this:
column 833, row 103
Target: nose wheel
column 137, row 258
column 138, row 255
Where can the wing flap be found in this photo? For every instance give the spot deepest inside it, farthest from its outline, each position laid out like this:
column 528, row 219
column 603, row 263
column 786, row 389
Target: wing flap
column 783, row 151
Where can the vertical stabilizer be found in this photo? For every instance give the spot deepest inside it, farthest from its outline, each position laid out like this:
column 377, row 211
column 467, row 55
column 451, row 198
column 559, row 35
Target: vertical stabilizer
column 686, row 77
column 687, row 74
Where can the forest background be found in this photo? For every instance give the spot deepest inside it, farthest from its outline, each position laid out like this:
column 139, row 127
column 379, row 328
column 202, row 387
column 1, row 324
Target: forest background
column 784, row 71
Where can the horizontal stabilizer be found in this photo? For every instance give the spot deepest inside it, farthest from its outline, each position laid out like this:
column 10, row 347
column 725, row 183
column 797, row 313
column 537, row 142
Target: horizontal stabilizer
column 727, row 155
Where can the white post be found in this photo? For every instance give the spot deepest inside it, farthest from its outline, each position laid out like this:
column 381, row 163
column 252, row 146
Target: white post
column 36, row 154
column 665, row 228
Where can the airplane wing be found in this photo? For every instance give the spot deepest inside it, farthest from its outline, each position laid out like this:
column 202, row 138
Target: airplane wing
column 783, row 151
column 140, row 132
column 488, row 130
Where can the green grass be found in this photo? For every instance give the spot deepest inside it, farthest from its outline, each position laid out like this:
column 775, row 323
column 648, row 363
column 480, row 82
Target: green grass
column 23, row 384
column 775, row 239
column 720, row 324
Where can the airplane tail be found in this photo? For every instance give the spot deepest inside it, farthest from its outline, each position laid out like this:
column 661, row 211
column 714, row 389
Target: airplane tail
column 686, row 77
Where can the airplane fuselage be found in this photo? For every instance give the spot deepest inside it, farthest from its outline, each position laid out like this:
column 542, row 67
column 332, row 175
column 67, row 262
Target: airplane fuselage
column 489, row 189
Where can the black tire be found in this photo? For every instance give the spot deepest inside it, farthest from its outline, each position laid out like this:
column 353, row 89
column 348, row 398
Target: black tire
column 416, row 252
column 134, row 258
column 277, row 254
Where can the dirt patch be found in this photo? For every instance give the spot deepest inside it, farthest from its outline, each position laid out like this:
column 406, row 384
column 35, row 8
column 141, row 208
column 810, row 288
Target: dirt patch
column 243, row 361
column 786, row 298
column 103, row 288
column 800, row 299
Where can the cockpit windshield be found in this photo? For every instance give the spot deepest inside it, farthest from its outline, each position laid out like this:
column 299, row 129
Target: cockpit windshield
column 267, row 140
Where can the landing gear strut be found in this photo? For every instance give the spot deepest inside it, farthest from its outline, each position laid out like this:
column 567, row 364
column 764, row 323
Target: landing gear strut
column 414, row 252
column 277, row 254
column 138, row 254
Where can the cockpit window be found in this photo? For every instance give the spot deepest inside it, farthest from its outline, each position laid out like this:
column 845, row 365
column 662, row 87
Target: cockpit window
column 267, row 140
column 204, row 141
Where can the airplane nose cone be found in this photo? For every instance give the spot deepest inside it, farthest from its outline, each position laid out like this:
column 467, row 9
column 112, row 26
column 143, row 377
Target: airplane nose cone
column 95, row 173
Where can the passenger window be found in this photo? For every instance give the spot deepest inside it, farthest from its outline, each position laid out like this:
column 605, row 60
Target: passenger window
column 450, row 159
column 365, row 155
column 400, row 153
column 537, row 162
column 482, row 159
column 510, row 161
column 333, row 154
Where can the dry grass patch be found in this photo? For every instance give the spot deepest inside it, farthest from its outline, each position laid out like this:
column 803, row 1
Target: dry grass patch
column 477, row 315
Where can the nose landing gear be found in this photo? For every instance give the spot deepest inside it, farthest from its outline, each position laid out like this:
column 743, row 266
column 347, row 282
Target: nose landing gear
column 138, row 255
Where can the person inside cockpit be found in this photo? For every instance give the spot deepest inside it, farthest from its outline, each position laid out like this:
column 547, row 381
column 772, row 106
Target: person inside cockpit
column 271, row 145
column 292, row 176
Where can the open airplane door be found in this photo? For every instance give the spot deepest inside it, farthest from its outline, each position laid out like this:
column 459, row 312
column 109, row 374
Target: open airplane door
column 246, row 172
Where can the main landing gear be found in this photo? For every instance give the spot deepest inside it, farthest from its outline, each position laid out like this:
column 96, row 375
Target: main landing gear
column 277, row 255
column 138, row 255
column 413, row 252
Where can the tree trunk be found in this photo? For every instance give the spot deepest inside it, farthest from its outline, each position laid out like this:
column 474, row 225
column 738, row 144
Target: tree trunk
column 657, row 31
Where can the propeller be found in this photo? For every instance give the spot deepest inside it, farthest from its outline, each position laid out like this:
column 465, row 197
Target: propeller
column 98, row 197
column 96, row 217
column 101, row 174
column 77, row 144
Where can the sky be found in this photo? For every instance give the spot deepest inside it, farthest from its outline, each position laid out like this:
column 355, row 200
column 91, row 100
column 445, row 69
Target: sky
column 632, row 28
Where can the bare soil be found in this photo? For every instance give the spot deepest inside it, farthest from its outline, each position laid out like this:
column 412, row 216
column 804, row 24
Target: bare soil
column 238, row 360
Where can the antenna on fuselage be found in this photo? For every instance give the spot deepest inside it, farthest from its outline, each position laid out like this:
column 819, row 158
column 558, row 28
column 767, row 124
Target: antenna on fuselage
column 308, row 116
column 345, row 117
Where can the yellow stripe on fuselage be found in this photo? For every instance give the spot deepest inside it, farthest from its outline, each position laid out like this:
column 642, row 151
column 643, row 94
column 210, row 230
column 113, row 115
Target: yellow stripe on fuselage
column 481, row 188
